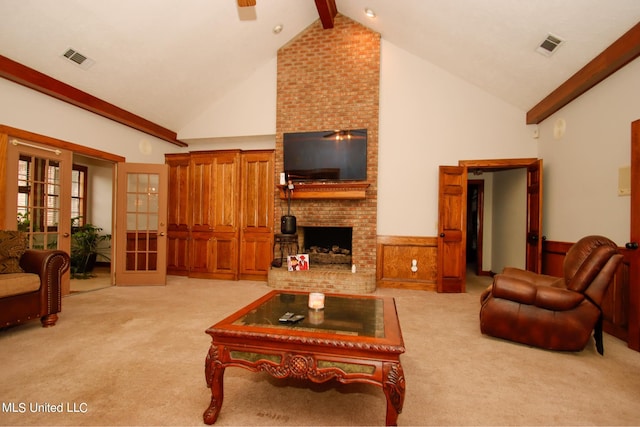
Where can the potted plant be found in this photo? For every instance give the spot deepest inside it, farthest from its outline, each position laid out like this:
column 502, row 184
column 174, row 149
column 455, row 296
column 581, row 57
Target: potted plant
column 85, row 241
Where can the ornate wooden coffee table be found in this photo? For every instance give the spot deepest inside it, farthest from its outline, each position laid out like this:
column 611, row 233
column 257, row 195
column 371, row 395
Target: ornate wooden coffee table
column 354, row 339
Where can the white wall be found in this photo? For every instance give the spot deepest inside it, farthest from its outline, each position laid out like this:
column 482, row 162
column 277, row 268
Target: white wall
column 581, row 168
column 487, row 226
column 99, row 198
column 32, row 111
column 247, row 109
column 428, row 118
column 509, row 219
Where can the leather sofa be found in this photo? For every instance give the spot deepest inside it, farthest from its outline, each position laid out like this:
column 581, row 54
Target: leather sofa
column 555, row 313
column 30, row 283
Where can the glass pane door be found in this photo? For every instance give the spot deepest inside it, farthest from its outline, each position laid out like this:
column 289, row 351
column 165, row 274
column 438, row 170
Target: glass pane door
column 39, row 204
column 42, row 177
column 141, row 224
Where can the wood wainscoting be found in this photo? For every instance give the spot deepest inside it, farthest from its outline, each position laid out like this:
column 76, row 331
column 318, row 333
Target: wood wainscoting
column 394, row 261
column 615, row 305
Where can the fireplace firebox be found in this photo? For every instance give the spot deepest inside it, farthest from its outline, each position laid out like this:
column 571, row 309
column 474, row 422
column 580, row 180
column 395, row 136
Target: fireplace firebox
column 327, row 245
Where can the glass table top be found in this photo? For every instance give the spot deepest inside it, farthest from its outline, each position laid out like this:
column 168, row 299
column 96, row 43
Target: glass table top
column 350, row 315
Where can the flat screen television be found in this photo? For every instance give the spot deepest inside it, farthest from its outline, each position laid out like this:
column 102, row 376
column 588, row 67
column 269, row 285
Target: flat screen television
column 326, row 155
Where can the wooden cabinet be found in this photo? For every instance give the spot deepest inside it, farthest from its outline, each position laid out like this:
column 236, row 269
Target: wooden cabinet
column 221, row 214
column 215, row 207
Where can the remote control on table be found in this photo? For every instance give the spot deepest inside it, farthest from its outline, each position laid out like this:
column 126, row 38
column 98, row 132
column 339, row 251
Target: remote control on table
column 296, row 318
column 286, row 317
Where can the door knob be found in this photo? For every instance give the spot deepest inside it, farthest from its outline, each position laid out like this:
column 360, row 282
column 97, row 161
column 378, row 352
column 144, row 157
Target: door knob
column 162, row 233
column 441, row 234
column 65, row 235
column 631, row 245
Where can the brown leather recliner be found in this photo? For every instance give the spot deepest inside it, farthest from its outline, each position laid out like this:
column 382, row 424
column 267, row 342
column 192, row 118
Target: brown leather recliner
column 555, row 313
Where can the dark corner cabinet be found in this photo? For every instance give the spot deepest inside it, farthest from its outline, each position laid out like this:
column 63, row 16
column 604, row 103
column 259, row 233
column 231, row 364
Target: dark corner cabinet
column 220, row 220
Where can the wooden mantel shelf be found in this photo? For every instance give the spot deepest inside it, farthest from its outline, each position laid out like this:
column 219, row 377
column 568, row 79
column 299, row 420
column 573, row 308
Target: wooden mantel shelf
column 348, row 191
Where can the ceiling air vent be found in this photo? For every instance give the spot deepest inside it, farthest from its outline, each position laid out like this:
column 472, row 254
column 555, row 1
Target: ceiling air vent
column 549, row 45
column 79, row 59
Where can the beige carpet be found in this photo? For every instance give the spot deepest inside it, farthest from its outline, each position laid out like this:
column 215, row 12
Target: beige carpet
column 135, row 356
column 99, row 278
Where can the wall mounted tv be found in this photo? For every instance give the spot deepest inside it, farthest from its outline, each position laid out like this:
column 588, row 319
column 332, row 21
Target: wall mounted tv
column 339, row 155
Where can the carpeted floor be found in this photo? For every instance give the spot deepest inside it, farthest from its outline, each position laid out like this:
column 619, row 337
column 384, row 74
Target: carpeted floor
column 99, row 278
column 135, row 356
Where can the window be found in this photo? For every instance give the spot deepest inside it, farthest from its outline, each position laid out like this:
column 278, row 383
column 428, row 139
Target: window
column 78, row 195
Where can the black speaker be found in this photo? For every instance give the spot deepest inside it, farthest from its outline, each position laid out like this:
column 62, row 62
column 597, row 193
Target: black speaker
column 288, row 224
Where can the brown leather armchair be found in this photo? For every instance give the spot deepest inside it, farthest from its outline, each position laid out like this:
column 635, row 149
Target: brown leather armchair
column 555, row 313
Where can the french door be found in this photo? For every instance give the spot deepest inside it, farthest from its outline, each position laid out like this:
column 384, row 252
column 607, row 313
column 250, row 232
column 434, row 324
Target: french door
column 42, row 178
column 141, row 224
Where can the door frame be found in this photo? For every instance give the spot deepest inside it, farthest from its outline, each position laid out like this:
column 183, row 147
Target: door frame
column 489, row 165
column 8, row 132
column 633, row 255
column 495, row 165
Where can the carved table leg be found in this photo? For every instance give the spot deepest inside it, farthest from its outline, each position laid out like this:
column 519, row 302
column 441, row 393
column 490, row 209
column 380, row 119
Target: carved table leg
column 393, row 386
column 214, row 371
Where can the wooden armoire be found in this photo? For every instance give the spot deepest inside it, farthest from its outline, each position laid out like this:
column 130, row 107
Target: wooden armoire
column 220, row 220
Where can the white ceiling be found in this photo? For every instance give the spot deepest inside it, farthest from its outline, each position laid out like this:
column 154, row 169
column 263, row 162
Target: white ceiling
column 167, row 60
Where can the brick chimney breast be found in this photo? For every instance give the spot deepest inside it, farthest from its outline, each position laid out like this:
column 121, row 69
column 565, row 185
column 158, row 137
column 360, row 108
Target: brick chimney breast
column 327, row 80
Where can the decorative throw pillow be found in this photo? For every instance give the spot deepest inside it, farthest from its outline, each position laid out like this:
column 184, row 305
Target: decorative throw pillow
column 12, row 246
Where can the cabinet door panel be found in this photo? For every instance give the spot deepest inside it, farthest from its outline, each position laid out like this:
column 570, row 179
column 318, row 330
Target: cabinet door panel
column 256, row 241
column 224, row 257
column 179, row 200
column 225, row 193
column 200, row 249
column 201, row 172
column 177, row 253
column 257, row 192
column 256, row 255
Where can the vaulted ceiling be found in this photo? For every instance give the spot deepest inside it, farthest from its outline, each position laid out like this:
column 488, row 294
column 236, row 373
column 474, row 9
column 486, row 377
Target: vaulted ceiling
column 167, row 60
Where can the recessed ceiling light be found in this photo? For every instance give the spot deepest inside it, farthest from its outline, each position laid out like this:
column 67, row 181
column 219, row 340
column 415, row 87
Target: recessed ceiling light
column 277, row 29
column 370, row 13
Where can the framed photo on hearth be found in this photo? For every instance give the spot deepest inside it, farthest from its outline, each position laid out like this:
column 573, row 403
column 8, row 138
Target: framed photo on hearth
column 298, row 262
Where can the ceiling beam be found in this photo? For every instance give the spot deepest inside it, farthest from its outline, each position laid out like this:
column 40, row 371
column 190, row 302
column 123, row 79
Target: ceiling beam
column 40, row 82
column 613, row 58
column 327, row 10
column 246, row 3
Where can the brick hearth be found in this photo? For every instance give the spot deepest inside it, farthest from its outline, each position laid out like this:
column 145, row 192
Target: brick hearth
column 327, row 80
column 329, row 280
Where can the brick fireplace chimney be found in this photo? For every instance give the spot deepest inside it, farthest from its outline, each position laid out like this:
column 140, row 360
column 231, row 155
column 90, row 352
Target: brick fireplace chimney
column 327, row 80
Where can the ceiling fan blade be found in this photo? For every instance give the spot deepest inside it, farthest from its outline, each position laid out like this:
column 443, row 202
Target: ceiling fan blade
column 246, row 3
column 331, row 134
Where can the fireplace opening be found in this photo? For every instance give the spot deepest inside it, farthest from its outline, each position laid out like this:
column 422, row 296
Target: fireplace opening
column 327, row 245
